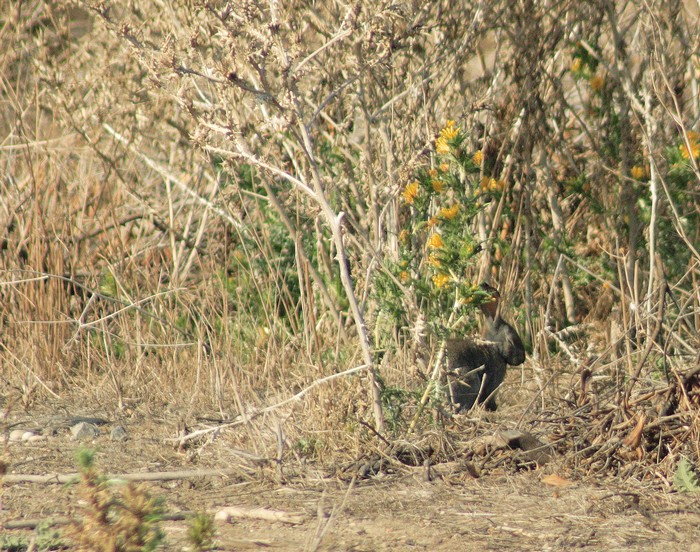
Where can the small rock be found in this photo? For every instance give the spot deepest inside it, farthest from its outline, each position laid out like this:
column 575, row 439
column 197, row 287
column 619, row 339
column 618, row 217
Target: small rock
column 84, row 431
column 28, row 435
column 118, row 433
column 16, row 435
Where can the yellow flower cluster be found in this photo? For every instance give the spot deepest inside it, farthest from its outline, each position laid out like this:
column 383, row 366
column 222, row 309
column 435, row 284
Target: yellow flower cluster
column 491, row 184
column 478, row 158
column 449, row 213
column 404, row 277
column 638, row 172
column 447, row 134
column 597, row 82
column 438, row 185
column 576, row 65
column 435, row 241
column 434, row 261
column 439, row 280
column 411, row 192
column 694, row 142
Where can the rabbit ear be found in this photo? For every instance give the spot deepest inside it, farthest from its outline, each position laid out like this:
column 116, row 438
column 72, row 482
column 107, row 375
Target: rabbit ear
column 491, row 290
column 490, row 308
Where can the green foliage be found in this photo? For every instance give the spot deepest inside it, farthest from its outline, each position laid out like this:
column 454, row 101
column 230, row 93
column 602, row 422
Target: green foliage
column 436, row 245
column 46, row 538
column 584, row 63
column 394, row 399
column 261, row 275
column 108, row 284
column 685, row 479
column 201, row 532
column 307, row 447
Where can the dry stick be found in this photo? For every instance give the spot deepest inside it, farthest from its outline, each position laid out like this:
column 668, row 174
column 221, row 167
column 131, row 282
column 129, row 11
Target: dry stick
column 654, row 188
column 148, row 476
column 170, row 177
column 245, row 418
column 335, row 221
column 228, row 512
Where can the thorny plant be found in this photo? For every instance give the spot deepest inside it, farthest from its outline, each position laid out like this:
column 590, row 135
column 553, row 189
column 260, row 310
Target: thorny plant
column 114, row 520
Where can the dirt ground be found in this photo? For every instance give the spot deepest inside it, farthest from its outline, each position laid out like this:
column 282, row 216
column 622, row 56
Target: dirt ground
column 445, row 508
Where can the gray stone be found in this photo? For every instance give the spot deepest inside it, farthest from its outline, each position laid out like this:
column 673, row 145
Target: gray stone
column 118, row 433
column 84, row 431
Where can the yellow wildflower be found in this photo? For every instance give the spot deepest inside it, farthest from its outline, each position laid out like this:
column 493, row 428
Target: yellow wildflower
column 411, row 191
column 444, row 167
column 449, row 212
column 432, row 173
column 638, row 173
column 404, row 277
column 435, row 241
column 434, row 261
column 597, row 82
column 432, row 221
column 491, row 184
column 440, row 280
column 404, row 235
column 447, row 134
column 478, row 158
column 576, row 65
column 496, row 185
column 694, row 142
column 438, row 185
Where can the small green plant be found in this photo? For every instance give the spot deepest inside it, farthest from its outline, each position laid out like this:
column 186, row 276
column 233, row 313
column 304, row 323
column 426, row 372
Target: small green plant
column 201, row 532
column 13, row 543
column 46, row 539
column 307, row 447
column 393, row 401
column 114, row 519
column 685, row 479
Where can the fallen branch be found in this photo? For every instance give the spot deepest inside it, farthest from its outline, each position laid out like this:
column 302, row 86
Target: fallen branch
column 228, row 512
column 146, row 476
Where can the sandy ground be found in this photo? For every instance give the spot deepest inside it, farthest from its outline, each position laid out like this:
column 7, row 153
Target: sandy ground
column 413, row 509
